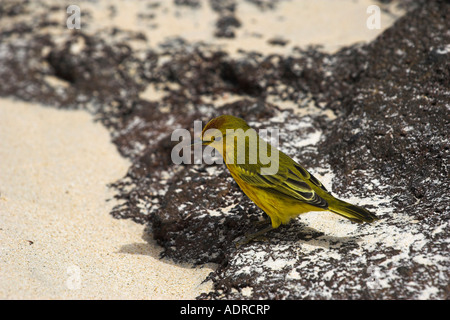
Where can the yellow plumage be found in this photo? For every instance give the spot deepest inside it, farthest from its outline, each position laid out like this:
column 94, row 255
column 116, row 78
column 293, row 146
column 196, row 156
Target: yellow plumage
column 286, row 192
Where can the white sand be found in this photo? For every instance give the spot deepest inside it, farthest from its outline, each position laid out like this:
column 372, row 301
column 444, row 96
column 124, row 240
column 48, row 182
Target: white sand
column 330, row 23
column 57, row 238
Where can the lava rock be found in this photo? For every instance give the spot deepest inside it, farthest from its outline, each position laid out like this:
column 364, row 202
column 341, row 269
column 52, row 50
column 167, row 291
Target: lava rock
column 370, row 121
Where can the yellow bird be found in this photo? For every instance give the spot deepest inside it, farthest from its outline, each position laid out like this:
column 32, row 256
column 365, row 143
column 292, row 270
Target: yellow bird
column 271, row 179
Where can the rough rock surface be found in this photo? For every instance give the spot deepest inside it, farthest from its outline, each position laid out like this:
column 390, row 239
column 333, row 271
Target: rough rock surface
column 370, row 121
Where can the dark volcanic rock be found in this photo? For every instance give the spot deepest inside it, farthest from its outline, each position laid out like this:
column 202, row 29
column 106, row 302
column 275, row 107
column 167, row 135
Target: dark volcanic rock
column 397, row 113
column 371, row 121
column 226, row 25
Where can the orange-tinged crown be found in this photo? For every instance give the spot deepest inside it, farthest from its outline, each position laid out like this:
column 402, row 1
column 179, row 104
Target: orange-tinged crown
column 225, row 122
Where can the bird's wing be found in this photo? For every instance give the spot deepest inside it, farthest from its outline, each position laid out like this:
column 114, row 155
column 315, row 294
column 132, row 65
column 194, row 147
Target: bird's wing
column 290, row 181
column 308, row 176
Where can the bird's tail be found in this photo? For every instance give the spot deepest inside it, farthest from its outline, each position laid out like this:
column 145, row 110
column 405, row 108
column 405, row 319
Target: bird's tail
column 352, row 212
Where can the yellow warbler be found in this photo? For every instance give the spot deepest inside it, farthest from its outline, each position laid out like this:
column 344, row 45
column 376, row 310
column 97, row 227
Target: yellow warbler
column 272, row 180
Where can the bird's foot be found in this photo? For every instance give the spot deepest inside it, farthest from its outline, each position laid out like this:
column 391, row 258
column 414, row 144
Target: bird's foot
column 263, row 222
column 257, row 236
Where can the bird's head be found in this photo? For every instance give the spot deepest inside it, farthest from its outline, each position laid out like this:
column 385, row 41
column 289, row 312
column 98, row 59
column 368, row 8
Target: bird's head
column 217, row 129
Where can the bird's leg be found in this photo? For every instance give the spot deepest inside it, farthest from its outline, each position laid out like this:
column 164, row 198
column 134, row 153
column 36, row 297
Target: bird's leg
column 263, row 222
column 253, row 236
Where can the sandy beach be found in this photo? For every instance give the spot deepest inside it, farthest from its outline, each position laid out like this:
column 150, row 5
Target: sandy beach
column 58, row 239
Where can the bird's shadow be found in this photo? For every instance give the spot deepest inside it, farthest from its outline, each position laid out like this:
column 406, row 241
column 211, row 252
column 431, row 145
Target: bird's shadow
column 299, row 232
column 151, row 248
column 292, row 234
column 147, row 248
